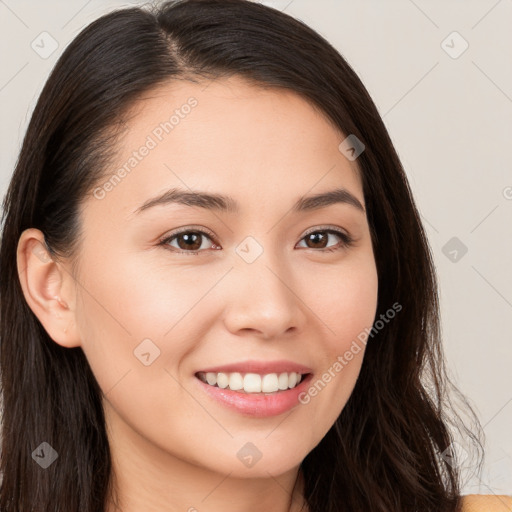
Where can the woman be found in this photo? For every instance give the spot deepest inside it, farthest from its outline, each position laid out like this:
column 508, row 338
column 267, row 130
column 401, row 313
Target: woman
column 216, row 290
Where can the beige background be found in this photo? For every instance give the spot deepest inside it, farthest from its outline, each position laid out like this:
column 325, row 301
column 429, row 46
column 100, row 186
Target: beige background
column 450, row 117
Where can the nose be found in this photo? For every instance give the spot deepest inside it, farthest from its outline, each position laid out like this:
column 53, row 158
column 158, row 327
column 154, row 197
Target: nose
column 263, row 299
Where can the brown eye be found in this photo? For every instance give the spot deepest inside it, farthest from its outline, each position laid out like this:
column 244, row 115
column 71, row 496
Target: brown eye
column 317, row 239
column 320, row 238
column 190, row 241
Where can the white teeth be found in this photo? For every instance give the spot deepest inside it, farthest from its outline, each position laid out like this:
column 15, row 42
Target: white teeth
column 269, row 383
column 222, row 380
column 283, row 381
column 236, row 381
column 211, row 378
column 252, row 382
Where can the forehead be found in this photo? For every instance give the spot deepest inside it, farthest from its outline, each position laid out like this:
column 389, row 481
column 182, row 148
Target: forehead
column 227, row 135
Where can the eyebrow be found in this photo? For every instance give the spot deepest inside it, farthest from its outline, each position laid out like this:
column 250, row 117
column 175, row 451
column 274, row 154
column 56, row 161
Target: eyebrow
column 227, row 204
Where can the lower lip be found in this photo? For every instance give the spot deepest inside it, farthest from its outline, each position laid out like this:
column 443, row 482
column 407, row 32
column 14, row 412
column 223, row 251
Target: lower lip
column 259, row 405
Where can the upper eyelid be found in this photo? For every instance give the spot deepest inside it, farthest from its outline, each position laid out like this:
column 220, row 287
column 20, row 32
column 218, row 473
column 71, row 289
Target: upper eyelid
column 324, row 228
column 190, row 229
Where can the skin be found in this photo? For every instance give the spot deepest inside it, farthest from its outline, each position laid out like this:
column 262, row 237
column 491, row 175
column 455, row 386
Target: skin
column 173, row 447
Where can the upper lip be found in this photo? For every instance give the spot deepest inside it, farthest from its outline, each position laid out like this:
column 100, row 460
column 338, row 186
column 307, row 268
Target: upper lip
column 261, row 367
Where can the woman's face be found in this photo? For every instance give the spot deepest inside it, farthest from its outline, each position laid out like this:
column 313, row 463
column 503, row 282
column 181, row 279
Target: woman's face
column 246, row 283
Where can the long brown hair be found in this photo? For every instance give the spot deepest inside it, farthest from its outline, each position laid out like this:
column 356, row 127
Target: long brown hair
column 385, row 452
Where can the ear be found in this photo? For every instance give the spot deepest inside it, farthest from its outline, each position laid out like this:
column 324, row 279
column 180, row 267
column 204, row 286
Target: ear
column 48, row 287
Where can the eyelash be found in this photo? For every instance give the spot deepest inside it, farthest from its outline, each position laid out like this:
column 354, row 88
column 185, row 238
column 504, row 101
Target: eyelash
column 346, row 240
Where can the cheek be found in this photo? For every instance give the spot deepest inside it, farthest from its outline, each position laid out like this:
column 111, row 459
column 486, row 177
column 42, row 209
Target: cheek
column 344, row 300
column 345, row 303
column 140, row 316
column 140, row 298
column 126, row 311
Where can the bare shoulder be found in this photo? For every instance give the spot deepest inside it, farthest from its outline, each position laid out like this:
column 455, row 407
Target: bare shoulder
column 486, row 503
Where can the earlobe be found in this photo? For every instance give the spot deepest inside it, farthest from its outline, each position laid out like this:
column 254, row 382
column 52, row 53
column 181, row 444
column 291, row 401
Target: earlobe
column 47, row 287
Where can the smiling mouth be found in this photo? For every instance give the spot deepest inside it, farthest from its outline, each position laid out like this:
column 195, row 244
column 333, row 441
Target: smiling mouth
column 252, row 383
